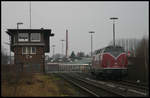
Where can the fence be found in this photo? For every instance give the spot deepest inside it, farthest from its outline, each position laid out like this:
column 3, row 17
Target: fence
column 56, row 67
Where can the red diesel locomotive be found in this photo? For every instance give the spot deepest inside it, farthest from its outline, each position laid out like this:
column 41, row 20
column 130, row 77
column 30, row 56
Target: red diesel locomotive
column 110, row 62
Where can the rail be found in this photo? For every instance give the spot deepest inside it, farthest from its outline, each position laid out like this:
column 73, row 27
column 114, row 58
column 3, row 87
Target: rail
column 116, row 86
column 92, row 88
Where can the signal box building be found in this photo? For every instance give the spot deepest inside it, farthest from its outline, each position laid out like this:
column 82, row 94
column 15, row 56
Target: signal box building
column 29, row 47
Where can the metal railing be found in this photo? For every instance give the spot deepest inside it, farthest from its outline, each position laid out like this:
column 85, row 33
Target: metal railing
column 58, row 67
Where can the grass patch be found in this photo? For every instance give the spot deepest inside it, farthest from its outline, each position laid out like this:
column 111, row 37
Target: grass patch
column 35, row 84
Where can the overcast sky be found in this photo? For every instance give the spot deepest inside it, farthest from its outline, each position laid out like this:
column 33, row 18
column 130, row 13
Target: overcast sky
column 79, row 18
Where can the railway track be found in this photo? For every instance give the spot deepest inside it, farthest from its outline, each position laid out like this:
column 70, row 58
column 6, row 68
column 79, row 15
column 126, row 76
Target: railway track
column 124, row 82
column 122, row 87
column 132, row 88
column 92, row 88
column 135, row 84
column 85, row 89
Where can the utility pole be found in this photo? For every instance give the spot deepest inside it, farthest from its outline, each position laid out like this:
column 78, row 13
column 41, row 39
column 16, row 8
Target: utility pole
column 91, row 42
column 113, row 18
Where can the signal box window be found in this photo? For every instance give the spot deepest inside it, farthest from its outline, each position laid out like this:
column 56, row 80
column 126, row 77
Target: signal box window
column 23, row 37
column 25, row 50
column 33, row 50
column 35, row 37
column 28, row 50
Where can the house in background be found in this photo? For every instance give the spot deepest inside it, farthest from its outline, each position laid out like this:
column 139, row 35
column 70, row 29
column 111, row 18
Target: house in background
column 29, row 47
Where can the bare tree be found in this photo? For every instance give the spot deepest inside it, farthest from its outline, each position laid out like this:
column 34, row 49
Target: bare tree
column 142, row 52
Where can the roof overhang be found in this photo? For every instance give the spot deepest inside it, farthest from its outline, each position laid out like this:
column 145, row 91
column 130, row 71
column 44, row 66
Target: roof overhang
column 11, row 32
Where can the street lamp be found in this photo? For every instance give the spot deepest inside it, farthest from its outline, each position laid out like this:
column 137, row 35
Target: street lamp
column 91, row 41
column 113, row 18
column 19, row 23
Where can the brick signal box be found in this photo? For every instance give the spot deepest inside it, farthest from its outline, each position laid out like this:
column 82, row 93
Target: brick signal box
column 29, row 47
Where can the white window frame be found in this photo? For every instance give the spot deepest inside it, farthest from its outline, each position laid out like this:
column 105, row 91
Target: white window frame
column 31, row 50
column 35, row 40
column 22, row 40
column 22, row 50
column 26, row 50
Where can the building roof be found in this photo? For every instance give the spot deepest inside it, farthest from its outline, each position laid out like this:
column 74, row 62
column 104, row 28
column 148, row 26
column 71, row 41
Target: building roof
column 11, row 32
column 46, row 34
